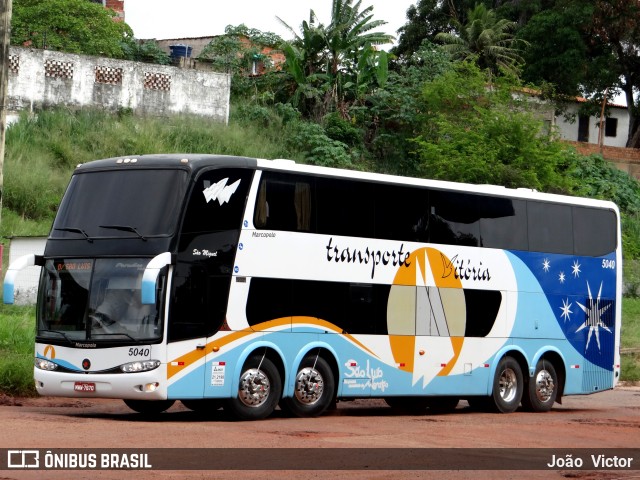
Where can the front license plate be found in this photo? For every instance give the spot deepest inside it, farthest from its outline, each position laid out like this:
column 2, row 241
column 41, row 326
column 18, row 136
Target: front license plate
column 84, row 387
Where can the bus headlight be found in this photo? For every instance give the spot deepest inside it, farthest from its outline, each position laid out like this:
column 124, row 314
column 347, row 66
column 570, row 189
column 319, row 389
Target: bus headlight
column 44, row 364
column 140, row 366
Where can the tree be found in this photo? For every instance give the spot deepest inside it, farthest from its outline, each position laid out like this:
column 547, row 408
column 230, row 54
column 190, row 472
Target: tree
column 147, row 51
column 487, row 39
column 558, row 49
column 428, row 18
column 73, row 26
column 337, row 62
column 306, row 61
column 238, row 51
column 615, row 22
column 395, row 114
column 479, row 135
column 425, row 20
column 588, row 48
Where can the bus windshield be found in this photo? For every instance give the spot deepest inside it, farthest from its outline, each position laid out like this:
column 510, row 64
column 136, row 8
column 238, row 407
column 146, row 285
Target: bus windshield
column 146, row 204
column 96, row 299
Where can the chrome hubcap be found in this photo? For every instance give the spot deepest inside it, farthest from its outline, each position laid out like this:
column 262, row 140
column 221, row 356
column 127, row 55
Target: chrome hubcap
column 254, row 388
column 544, row 386
column 508, row 385
column 309, row 386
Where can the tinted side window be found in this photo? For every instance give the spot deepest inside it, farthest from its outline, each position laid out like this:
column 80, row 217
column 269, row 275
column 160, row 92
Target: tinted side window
column 503, row 223
column 595, row 231
column 550, row 227
column 455, row 219
column 285, row 202
column 217, row 201
column 198, row 302
column 401, row 213
column 355, row 308
column 269, row 299
column 345, row 207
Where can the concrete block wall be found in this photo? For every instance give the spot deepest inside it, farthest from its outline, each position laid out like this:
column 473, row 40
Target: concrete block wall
column 44, row 78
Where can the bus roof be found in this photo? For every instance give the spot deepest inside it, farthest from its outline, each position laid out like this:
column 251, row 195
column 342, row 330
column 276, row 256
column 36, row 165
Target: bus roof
column 196, row 162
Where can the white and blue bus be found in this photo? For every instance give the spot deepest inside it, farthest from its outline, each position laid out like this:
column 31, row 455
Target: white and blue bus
column 246, row 284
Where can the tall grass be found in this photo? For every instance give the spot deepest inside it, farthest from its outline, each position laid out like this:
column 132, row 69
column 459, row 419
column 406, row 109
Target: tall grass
column 630, row 339
column 43, row 149
column 17, row 332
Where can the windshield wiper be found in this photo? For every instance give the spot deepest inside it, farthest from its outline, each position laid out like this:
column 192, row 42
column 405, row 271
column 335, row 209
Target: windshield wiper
column 56, row 331
column 113, row 334
column 75, row 230
column 125, row 228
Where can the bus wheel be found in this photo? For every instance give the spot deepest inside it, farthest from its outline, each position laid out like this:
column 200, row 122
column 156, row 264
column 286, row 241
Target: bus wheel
column 149, row 407
column 543, row 388
column 259, row 390
column 314, row 388
column 203, row 405
column 507, row 386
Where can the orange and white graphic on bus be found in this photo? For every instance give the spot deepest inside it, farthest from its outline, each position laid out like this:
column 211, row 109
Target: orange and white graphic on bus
column 428, row 300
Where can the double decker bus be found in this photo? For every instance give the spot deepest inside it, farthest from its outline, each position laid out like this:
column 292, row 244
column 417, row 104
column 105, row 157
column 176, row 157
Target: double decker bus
column 244, row 284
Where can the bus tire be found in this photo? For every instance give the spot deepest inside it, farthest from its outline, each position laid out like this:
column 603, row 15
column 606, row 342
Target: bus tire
column 313, row 390
column 203, row 405
column 149, row 407
column 259, row 390
column 508, row 385
column 542, row 389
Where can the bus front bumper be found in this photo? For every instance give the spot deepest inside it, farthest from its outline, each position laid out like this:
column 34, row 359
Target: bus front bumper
column 135, row 386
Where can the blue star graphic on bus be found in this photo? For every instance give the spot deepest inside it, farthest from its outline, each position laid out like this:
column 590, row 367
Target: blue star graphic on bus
column 594, row 317
column 581, row 292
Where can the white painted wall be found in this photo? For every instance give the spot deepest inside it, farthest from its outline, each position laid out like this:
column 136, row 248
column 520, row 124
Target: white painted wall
column 569, row 130
column 184, row 91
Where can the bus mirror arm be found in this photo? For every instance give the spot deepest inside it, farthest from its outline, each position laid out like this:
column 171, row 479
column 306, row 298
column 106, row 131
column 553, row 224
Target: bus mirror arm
column 8, row 293
column 150, row 276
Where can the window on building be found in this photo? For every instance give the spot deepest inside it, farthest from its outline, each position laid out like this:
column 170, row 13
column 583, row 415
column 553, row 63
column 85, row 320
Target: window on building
column 583, row 128
column 611, row 127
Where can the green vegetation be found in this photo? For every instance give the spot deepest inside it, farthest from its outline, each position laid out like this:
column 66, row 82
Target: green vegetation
column 74, row 26
column 630, row 339
column 17, row 331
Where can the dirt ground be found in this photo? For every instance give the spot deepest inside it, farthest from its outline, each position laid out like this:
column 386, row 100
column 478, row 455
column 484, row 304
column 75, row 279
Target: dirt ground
column 608, row 420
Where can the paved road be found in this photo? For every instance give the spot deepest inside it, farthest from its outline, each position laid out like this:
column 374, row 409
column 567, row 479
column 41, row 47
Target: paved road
column 608, row 420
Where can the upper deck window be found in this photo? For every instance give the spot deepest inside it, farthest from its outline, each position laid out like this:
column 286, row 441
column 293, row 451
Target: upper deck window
column 142, row 201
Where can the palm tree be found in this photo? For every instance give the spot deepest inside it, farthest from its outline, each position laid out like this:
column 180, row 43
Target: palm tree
column 334, row 53
column 306, row 61
column 487, row 39
column 349, row 32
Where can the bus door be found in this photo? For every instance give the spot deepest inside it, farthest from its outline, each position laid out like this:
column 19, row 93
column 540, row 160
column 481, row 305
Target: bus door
column 204, row 271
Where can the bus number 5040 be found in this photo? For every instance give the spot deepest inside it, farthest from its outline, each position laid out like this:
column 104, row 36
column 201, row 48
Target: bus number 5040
column 139, row 352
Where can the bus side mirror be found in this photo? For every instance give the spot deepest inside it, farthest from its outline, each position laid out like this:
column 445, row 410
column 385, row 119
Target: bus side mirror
column 150, row 277
column 8, row 290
